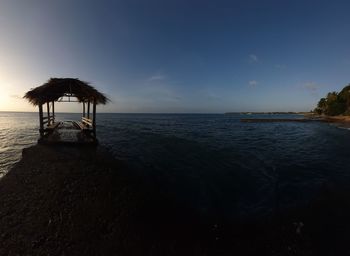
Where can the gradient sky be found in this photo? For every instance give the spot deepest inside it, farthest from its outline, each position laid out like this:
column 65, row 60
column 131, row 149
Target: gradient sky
column 178, row 55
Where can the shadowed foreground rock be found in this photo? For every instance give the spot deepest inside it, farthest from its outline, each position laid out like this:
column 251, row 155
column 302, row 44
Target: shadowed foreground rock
column 70, row 201
column 81, row 201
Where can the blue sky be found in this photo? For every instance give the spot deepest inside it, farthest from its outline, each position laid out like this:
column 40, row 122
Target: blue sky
column 178, row 56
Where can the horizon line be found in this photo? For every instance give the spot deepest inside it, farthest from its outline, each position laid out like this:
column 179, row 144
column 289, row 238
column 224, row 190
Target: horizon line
column 166, row 113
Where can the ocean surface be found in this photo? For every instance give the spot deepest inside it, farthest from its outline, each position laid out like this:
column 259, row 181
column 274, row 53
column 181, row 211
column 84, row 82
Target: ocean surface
column 212, row 162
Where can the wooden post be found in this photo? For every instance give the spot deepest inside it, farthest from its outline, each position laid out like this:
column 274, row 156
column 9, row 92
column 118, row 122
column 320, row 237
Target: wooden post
column 83, row 108
column 53, row 111
column 88, row 109
column 94, row 118
column 48, row 113
column 41, row 120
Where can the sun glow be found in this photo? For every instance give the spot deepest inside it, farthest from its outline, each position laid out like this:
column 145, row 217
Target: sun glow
column 11, row 98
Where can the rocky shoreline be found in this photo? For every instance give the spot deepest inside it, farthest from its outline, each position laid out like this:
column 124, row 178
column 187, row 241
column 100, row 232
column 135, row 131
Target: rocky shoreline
column 61, row 200
column 80, row 201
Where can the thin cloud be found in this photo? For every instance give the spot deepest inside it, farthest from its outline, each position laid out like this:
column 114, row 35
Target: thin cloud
column 252, row 83
column 214, row 97
column 253, row 58
column 156, row 78
column 158, row 88
column 16, row 96
column 311, row 86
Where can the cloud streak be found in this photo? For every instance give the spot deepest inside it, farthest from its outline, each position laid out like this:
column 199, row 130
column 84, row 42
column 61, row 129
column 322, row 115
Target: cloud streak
column 253, row 58
column 311, row 86
column 252, row 83
column 157, row 77
column 16, row 96
column 156, row 89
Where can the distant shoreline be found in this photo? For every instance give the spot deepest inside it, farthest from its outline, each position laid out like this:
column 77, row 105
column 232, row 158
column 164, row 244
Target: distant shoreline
column 340, row 120
column 267, row 113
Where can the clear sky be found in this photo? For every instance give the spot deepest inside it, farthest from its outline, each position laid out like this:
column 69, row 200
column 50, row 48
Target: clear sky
column 178, row 55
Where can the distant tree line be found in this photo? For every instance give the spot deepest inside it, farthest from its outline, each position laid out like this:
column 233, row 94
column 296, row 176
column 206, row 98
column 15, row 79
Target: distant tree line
column 335, row 103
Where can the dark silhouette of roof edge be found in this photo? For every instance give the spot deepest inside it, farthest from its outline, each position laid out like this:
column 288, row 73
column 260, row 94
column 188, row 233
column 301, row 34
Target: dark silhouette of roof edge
column 55, row 88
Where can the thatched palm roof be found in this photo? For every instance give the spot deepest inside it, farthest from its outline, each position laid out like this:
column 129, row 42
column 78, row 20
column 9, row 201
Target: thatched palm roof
column 55, row 88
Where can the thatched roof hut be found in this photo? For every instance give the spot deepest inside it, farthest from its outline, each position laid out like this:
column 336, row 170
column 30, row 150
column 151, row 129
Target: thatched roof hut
column 56, row 88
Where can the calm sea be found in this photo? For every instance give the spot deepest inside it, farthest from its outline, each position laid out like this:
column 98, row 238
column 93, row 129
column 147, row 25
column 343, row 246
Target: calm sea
column 213, row 163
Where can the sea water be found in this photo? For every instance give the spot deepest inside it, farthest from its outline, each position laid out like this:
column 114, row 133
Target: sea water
column 211, row 162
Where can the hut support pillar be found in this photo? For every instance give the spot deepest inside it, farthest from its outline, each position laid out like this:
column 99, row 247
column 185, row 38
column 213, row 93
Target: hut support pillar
column 48, row 113
column 94, row 118
column 83, row 108
column 41, row 120
column 53, row 111
column 88, row 109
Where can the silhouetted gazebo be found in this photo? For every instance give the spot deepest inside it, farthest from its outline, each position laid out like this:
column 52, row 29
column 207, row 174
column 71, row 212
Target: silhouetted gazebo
column 66, row 90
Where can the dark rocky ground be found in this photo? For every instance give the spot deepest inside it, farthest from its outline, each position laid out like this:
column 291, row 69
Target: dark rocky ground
column 80, row 201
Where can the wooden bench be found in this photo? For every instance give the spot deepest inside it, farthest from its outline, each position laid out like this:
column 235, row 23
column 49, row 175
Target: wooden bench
column 81, row 125
column 86, row 121
column 48, row 119
column 52, row 127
